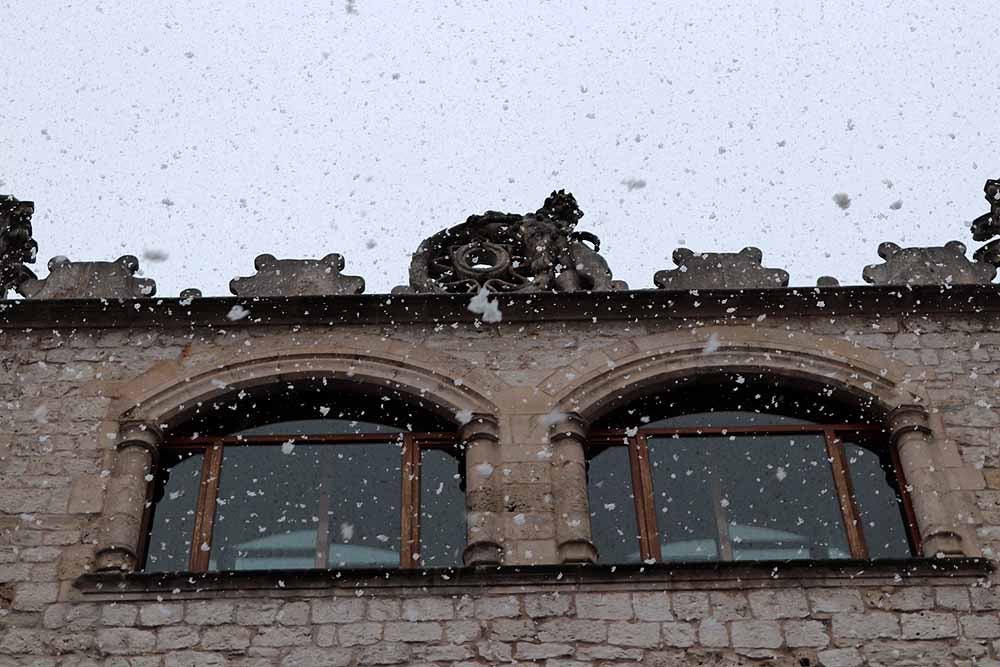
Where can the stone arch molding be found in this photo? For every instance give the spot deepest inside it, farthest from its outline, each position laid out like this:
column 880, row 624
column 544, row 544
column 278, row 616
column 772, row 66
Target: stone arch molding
column 658, row 358
column 605, row 380
column 153, row 401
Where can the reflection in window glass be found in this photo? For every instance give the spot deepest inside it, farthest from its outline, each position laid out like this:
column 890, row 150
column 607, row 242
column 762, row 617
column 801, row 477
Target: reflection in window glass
column 879, row 506
column 746, row 498
column 292, row 507
column 612, row 507
column 442, row 510
column 172, row 524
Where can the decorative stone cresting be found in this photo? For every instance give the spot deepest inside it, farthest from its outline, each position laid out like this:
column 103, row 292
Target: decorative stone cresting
column 90, row 280
column 125, row 502
column 719, row 270
column 509, row 252
column 297, row 277
column 569, row 483
column 937, row 265
column 17, row 248
column 987, row 226
column 483, row 495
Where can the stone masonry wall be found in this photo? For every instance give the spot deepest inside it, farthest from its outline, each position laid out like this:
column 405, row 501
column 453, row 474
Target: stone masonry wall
column 57, row 388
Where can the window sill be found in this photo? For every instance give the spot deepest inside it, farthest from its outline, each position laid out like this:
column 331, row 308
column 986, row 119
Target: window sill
column 665, row 576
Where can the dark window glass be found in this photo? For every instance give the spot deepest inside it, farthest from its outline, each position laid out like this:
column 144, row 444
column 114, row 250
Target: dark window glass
column 298, row 506
column 172, row 523
column 442, row 509
column 880, row 507
column 746, row 498
column 612, row 506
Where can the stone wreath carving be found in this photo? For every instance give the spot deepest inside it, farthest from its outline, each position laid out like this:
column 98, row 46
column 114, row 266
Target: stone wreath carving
column 17, row 247
column 509, row 252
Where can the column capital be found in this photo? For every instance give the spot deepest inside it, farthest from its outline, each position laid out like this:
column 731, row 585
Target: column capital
column 144, row 434
column 907, row 418
column 570, row 426
column 482, row 426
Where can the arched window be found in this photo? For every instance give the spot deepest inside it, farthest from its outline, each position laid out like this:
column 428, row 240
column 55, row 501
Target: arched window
column 745, row 467
column 307, row 476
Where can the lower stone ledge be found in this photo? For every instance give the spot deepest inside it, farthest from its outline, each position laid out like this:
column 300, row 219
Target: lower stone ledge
column 742, row 575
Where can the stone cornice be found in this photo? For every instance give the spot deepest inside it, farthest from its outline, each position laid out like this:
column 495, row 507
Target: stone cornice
column 383, row 309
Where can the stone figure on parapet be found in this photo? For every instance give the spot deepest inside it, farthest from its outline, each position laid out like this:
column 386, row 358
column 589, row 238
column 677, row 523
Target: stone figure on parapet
column 17, row 247
column 987, row 226
column 509, row 252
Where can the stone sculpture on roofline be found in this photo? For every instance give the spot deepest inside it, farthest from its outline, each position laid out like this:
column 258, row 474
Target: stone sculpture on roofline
column 498, row 252
column 511, row 252
column 17, row 247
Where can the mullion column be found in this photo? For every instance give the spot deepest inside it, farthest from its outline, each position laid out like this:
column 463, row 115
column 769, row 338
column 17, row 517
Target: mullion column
column 127, row 496
column 483, row 495
column 569, row 484
column 913, row 439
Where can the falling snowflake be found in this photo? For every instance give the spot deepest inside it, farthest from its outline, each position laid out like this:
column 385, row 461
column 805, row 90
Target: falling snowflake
column 481, row 304
column 237, row 312
column 842, row 200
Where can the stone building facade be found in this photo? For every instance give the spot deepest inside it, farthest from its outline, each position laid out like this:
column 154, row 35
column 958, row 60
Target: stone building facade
column 524, row 352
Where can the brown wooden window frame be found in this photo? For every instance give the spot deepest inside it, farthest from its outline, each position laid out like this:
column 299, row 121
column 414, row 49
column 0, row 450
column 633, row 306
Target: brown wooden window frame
column 211, row 448
column 642, row 480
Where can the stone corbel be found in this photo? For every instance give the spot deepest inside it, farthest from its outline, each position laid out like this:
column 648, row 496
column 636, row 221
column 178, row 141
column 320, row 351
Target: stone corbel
column 912, row 437
column 569, row 483
column 136, row 455
column 483, row 495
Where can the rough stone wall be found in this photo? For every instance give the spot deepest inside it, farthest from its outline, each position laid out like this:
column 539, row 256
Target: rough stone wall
column 57, row 389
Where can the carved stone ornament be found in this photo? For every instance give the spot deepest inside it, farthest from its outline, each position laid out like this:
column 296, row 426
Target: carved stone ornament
column 987, row 226
column 719, row 270
column 937, row 265
column 90, row 280
column 17, row 248
column 297, row 277
column 509, row 252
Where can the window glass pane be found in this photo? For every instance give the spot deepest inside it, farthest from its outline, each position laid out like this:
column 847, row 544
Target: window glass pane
column 284, row 507
column 879, row 506
column 365, row 491
column 442, row 509
column 172, row 525
column 746, row 498
column 612, row 507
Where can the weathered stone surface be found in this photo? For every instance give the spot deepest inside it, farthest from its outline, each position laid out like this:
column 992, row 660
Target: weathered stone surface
column 940, row 265
column 297, row 277
column 719, row 270
column 506, row 252
column 756, row 634
column 90, row 280
column 610, row 606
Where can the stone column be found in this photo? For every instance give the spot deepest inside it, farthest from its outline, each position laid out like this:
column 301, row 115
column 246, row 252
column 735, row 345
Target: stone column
column 913, row 439
column 483, row 495
column 569, row 484
column 125, row 502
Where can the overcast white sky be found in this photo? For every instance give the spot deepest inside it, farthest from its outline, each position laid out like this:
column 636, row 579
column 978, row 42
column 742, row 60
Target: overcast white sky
column 213, row 132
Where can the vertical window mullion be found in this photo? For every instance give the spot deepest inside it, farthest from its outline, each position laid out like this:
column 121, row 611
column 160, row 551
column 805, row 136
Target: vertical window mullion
column 845, row 493
column 721, row 520
column 323, row 527
column 642, row 487
column 409, row 548
column 205, row 513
